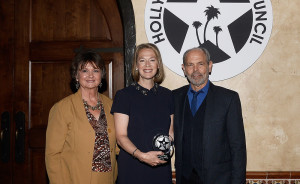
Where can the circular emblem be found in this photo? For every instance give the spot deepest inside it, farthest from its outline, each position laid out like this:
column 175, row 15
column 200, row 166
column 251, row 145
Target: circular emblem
column 235, row 32
column 163, row 143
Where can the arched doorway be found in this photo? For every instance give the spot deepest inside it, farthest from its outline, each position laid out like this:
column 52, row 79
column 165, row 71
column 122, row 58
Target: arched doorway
column 38, row 43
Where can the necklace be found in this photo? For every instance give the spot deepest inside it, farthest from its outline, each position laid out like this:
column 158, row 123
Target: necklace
column 143, row 90
column 96, row 107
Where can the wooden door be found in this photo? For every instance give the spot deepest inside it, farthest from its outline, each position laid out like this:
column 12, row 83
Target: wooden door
column 6, row 88
column 46, row 35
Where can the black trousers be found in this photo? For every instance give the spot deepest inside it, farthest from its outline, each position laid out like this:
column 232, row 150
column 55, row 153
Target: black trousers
column 194, row 178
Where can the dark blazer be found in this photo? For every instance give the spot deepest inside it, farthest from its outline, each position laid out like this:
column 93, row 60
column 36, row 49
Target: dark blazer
column 224, row 147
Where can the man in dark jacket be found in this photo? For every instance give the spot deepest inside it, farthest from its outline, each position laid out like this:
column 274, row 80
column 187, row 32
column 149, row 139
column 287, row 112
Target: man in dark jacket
column 210, row 143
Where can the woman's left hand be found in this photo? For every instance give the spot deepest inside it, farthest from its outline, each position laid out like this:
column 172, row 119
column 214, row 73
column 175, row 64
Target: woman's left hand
column 150, row 158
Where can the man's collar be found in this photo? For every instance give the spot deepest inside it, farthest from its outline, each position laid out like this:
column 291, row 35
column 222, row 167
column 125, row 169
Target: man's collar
column 204, row 89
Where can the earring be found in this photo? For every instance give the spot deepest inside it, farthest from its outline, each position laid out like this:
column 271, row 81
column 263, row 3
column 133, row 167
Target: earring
column 136, row 69
column 77, row 84
column 100, row 85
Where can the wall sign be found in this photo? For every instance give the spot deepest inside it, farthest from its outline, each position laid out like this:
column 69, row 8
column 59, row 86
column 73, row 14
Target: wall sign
column 235, row 32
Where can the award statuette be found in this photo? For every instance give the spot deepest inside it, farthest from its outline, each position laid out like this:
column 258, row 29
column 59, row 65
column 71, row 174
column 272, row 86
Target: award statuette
column 165, row 144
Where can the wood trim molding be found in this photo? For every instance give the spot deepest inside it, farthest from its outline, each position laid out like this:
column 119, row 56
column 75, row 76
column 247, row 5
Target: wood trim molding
column 267, row 175
column 273, row 175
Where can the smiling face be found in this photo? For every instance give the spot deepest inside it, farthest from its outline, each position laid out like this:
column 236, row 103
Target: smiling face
column 147, row 64
column 196, row 68
column 89, row 76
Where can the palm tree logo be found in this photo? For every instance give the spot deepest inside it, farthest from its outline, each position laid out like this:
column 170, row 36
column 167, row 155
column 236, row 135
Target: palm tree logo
column 197, row 24
column 217, row 29
column 217, row 54
column 211, row 13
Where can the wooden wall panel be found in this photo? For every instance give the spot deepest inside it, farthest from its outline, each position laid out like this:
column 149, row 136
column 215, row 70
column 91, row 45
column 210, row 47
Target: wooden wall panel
column 39, row 173
column 68, row 20
column 49, row 82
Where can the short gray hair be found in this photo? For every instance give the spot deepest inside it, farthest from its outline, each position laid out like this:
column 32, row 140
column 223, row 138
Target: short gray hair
column 197, row 48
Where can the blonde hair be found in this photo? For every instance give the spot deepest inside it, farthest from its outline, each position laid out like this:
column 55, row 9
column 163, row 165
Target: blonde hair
column 160, row 75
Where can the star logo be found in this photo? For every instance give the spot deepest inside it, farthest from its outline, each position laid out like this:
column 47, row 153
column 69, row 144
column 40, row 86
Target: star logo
column 235, row 32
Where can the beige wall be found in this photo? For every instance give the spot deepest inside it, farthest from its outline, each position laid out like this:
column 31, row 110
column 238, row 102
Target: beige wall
column 269, row 91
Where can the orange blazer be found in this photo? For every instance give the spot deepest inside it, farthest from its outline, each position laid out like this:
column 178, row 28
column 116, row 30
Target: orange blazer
column 70, row 141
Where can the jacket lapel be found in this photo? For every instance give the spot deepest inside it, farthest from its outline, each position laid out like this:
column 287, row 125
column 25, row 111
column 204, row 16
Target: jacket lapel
column 182, row 103
column 81, row 114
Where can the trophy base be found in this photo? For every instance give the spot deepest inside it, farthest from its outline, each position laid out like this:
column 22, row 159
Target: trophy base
column 163, row 157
